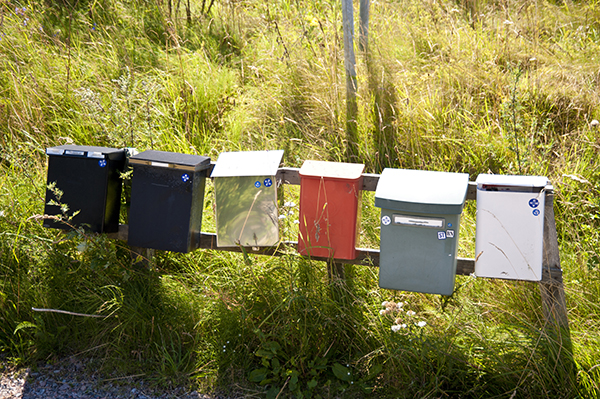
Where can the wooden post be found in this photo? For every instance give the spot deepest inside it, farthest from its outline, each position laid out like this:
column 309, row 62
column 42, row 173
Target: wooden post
column 363, row 41
column 350, row 67
column 551, row 286
column 554, row 304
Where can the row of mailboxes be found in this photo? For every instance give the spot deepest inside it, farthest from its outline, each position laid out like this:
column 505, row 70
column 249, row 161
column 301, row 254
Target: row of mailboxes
column 420, row 210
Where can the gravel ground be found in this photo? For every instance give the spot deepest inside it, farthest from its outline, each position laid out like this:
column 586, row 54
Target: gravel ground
column 69, row 379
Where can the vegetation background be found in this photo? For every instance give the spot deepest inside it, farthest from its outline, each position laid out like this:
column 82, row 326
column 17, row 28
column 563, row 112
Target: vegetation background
column 501, row 86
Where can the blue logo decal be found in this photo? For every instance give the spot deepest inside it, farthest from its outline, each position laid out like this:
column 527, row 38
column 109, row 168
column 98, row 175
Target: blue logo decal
column 185, row 177
column 449, row 224
column 268, row 182
column 257, row 184
column 102, row 163
column 534, row 203
column 441, row 235
column 536, row 212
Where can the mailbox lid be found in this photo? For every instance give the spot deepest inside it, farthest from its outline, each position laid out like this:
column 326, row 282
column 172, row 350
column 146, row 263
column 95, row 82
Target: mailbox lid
column 511, row 183
column 332, row 170
column 247, row 163
column 172, row 160
column 84, row 151
column 422, row 191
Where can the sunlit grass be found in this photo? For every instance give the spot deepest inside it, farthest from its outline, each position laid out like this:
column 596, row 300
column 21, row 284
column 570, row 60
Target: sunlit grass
column 459, row 86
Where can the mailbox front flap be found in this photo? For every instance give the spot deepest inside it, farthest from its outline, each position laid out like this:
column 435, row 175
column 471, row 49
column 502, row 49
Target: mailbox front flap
column 332, row 170
column 173, row 160
column 247, row 163
column 422, row 191
column 84, row 151
column 511, row 183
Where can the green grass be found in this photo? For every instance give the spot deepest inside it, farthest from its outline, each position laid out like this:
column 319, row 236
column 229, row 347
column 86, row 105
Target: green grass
column 503, row 87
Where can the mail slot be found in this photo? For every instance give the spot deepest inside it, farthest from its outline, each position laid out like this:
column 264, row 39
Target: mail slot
column 330, row 200
column 509, row 238
column 167, row 198
column 246, row 198
column 420, row 221
column 89, row 179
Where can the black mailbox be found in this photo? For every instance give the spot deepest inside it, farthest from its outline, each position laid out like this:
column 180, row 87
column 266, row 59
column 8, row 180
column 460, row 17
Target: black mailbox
column 89, row 179
column 167, row 197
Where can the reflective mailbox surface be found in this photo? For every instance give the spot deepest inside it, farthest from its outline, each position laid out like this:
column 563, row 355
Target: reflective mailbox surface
column 246, row 198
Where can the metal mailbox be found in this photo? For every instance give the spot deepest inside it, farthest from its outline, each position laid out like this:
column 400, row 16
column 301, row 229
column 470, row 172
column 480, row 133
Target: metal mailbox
column 420, row 220
column 167, row 198
column 246, row 198
column 330, row 200
column 509, row 238
column 89, row 179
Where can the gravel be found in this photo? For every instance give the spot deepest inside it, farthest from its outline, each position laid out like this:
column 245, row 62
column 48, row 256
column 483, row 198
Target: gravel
column 70, row 379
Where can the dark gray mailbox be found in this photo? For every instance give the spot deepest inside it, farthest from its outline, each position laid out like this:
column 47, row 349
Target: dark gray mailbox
column 420, row 218
column 90, row 182
column 167, row 197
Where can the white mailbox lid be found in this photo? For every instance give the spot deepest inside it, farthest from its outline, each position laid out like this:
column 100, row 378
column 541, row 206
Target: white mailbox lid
column 247, row 163
column 511, row 183
column 422, row 191
column 333, row 170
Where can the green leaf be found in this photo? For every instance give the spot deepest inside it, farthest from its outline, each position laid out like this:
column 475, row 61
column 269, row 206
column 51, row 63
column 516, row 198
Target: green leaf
column 273, row 392
column 258, row 375
column 272, row 346
column 341, row 372
column 276, row 365
column 312, row 384
column 24, row 324
column 265, row 353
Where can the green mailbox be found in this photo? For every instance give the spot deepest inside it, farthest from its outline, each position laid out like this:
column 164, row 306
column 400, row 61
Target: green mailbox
column 420, row 219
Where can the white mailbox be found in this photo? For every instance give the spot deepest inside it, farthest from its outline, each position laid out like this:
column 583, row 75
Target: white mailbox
column 509, row 239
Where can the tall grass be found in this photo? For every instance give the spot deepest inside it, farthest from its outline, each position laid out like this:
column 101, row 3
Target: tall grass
column 488, row 86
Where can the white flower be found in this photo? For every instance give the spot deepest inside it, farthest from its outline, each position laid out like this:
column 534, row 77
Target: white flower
column 1, row 213
column 410, row 313
column 296, row 222
column 421, row 324
column 382, row 312
column 399, row 305
column 282, row 217
column 384, row 303
column 289, row 204
column 396, row 328
column 403, row 325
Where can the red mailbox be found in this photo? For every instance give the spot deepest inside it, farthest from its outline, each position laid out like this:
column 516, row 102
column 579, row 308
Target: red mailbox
column 330, row 196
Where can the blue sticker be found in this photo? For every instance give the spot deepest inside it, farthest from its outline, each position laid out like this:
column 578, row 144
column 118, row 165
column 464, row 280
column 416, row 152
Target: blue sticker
column 257, row 184
column 185, row 177
column 268, row 182
column 534, row 203
column 449, row 224
column 441, row 235
column 536, row 212
column 102, row 163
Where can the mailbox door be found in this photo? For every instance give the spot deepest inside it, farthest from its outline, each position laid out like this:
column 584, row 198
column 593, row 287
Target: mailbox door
column 509, row 235
column 329, row 217
column 166, row 208
column 246, row 210
column 90, row 186
column 418, row 252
